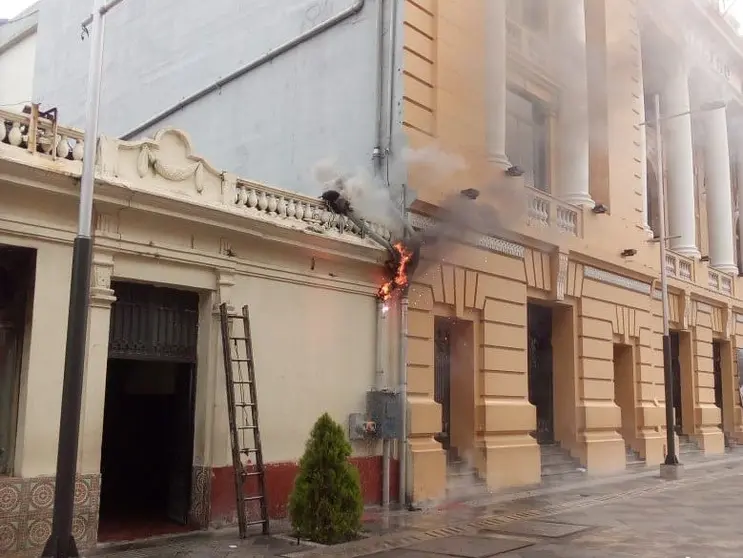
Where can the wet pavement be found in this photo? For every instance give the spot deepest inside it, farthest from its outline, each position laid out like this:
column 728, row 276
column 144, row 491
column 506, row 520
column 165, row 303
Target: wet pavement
column 637, row 515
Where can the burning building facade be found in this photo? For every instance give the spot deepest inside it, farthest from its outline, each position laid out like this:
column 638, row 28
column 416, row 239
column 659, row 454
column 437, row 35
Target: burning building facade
column 525, row 269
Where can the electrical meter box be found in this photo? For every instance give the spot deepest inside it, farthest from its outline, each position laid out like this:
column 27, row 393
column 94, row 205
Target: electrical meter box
column 383, row 408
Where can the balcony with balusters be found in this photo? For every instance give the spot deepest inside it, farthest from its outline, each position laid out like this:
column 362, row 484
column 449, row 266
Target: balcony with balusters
column 548, row 214
column 40, row 133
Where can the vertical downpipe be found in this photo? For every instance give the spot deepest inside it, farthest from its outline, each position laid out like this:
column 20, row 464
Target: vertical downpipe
column 403, row 371
column 381, row 384
column 377, row 154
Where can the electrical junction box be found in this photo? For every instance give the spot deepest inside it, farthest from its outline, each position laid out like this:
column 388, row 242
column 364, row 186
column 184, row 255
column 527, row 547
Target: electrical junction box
column 356, row 426
column 383, row 408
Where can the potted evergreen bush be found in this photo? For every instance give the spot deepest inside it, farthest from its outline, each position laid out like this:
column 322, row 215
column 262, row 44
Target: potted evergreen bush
column 326, row 505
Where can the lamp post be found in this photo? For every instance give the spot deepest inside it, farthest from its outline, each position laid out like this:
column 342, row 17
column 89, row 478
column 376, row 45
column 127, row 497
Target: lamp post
column 670, row 467
column 61, row 542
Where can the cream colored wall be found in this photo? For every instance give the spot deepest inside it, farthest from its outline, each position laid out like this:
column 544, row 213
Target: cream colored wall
column 314, row 353
column 21, row 211
column 314, row 330
column 312, row 301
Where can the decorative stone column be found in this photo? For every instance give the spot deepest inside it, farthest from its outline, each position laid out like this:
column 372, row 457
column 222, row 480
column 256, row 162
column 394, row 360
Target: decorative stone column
column 739, row 177
column 677, row 144
column 719, row 196
column 573, row 118
column 496, row 46
column 96, row 363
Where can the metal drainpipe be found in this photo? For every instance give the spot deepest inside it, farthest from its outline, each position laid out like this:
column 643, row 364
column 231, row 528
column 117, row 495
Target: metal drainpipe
column 382, row 357
column 249, row 67
column 403, row 372
column 377, row 154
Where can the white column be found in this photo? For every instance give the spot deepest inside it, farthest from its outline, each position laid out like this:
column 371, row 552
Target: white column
column 719, row 195
column 573, row 117
column 496, row 79
column 739, row 178
column 677, row 144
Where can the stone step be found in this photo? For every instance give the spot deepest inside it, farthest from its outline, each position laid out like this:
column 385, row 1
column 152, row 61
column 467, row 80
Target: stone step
column 569, row 467
column 551, row 458
column 633, row 459
column 558, row 465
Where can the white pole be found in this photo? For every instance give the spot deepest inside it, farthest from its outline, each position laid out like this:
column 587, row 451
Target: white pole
column 61, row 542
column 671, row 459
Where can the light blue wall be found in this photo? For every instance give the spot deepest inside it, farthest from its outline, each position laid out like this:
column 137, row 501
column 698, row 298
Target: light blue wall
column 272, row 124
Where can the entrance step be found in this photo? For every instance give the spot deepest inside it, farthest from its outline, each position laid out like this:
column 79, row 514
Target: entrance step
column 462, row 480
column 558, row 465
column 731, row 444
column 688, row 449
column 634, row 461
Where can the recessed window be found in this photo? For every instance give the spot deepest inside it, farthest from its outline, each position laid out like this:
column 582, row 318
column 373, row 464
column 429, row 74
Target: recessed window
column 527, row 139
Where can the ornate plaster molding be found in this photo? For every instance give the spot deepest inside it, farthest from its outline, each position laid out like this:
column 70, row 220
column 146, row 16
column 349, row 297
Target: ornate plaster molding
column 615, row 279
column 101, row 293
column 490, row 243
column 561, row 275
column 225, row 282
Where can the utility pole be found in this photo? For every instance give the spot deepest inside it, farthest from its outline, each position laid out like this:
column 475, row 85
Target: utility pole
column 61, row 543
column 671, row 467
column 671, row 462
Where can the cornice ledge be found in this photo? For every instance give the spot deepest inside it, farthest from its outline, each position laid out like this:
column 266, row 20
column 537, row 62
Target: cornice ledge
column 242, row 222
column 615, row 279
column 490, row 243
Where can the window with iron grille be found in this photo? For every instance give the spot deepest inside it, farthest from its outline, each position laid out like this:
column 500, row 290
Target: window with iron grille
column 527, row 139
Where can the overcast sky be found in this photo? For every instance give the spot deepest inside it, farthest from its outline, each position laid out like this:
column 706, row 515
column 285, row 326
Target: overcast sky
column 11, row 8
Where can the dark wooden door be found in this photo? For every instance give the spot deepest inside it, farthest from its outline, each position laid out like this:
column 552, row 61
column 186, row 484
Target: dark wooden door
column 181, row 462
column 676, row 372
column 717, row 371
column 442, row 378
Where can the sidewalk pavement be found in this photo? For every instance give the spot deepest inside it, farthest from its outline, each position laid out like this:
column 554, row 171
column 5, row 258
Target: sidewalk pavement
column 636, row 514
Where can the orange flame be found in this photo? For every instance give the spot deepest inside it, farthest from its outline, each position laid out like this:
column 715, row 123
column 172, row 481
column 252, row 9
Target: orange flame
column 400, row 279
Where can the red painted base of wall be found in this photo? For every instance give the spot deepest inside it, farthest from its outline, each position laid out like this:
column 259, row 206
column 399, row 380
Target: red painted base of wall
column 279, row 484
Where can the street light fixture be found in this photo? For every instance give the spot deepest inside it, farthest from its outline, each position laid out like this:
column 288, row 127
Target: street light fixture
column 669, row 468
column 61, row 543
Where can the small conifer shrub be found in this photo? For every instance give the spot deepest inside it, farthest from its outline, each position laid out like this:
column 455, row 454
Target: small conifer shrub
column 326, row 504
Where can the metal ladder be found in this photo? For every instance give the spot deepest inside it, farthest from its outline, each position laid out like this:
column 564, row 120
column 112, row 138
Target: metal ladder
column 242, row 405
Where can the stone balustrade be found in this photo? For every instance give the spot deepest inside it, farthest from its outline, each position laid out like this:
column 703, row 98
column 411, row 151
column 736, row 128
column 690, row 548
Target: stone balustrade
column 679, row 267
column 544, row 211
column 289, row 207
column 721, row 282
column 39, row 134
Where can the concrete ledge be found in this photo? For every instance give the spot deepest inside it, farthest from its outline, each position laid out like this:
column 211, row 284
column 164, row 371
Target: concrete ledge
column 671, row 472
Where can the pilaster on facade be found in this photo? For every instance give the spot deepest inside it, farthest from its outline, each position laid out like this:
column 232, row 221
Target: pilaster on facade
column 96, row 362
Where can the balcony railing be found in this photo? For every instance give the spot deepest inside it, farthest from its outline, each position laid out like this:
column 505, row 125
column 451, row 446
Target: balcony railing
column 38, row 134
column 528, row 44
column 544, row 211
column 679, row 267
column 721, row 282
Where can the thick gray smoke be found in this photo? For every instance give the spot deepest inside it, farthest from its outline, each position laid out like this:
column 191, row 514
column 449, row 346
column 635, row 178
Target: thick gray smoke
column 492, row 208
